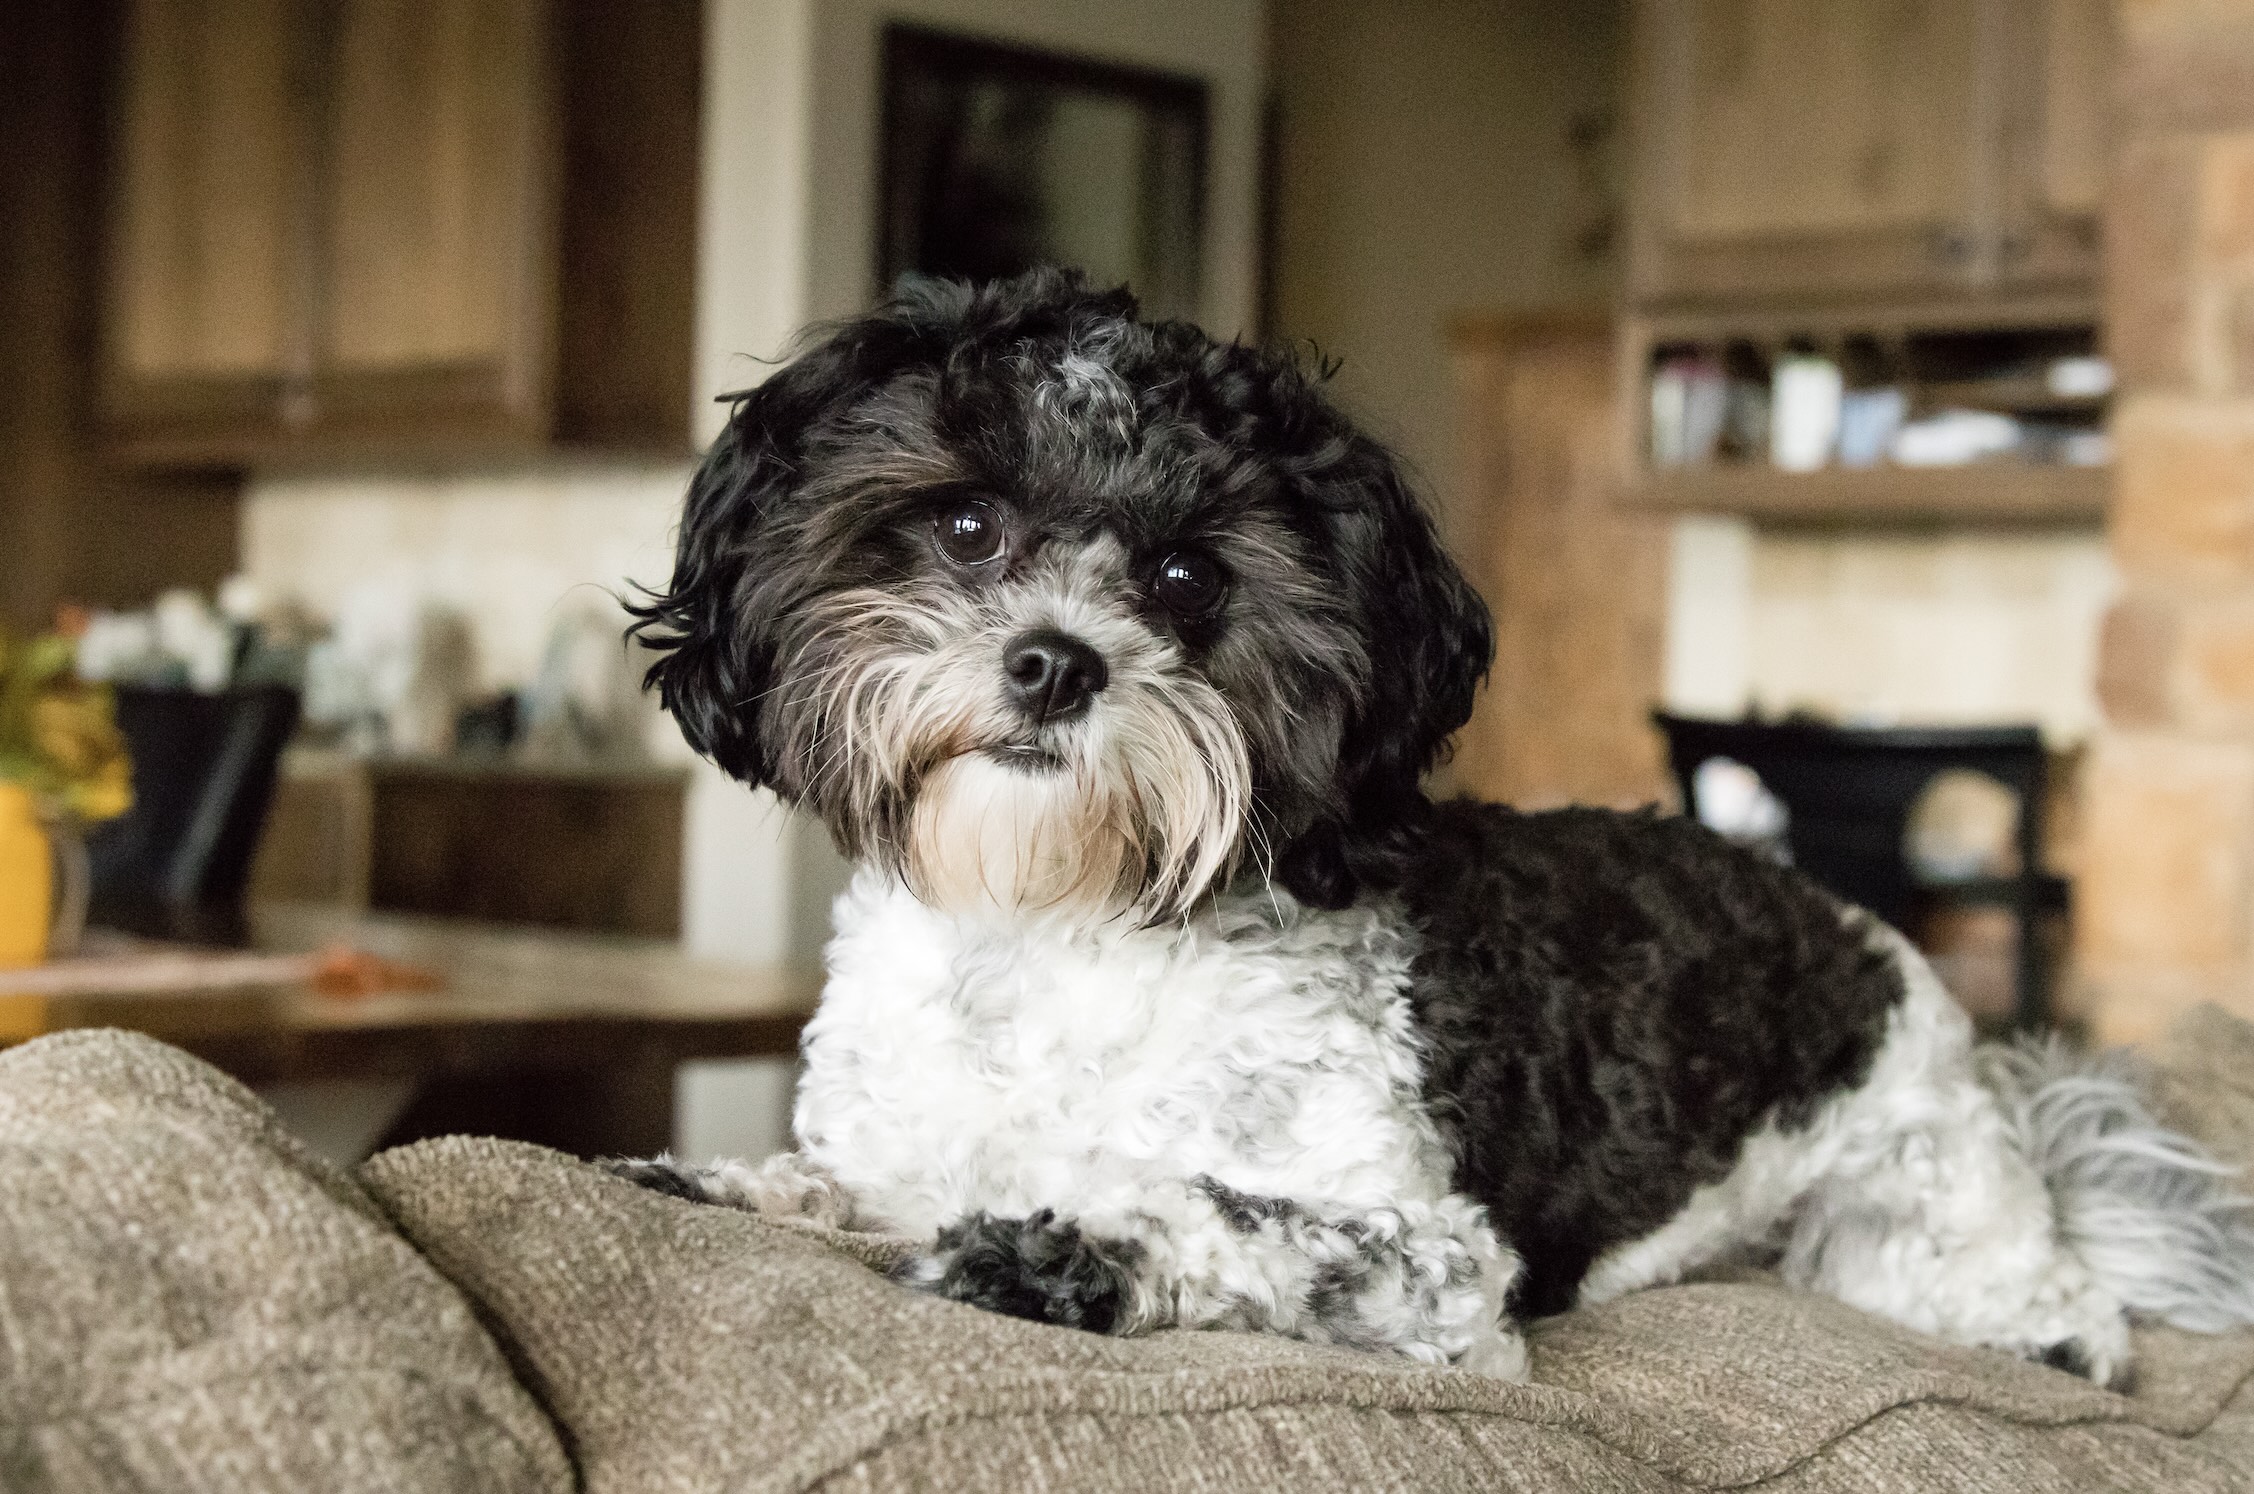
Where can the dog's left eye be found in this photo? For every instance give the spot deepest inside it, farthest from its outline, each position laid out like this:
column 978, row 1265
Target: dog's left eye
column 969, row 534
column 1189, row 583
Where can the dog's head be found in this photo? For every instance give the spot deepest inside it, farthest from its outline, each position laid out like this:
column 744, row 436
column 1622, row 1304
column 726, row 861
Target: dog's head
column 1049, row 607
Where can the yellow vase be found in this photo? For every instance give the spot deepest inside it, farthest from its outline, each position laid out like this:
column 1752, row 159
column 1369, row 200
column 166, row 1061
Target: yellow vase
column 27, row 881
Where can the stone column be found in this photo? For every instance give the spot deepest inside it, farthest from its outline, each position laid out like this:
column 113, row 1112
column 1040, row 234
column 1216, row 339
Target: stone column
column 2165, row 898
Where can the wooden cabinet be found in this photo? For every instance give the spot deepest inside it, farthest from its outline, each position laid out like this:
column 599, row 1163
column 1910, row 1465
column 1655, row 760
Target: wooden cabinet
column 208, row 273
column 433, row 207
column 401, row 225
column 586, row 848
column 2058, row 138
column 1799, row 149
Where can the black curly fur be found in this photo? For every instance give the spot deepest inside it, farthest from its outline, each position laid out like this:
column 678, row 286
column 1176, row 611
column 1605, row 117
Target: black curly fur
column 656, row 1174
column 1038, row 1268
column 1609, row 1004
column 827, row 474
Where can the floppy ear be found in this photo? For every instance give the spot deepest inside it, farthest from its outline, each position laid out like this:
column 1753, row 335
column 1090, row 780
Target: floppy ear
column 715, row 651
column 1431, row 637
column 1430, row 641
column 709, row 671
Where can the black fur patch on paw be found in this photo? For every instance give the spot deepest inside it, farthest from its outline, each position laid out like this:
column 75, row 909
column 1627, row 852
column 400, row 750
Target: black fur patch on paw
column 659, row 1177
column 2070, row 1356
column 1036, row 1268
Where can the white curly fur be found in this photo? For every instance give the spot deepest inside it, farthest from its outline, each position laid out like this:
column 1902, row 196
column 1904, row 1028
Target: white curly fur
column 1106, row 1072
column 2156, row 1219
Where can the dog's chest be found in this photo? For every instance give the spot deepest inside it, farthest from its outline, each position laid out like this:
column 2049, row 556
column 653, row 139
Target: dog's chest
column 956, row 1067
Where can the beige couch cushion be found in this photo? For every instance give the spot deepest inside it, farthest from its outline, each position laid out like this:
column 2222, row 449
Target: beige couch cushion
column 191, row 1301
column 695, row 1348
column 2203, row 1078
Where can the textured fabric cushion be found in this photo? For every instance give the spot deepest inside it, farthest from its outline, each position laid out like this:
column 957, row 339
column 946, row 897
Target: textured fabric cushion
column 188, row 1301
column 694, row 1348
column 2203, row 1077
column 191, row 1301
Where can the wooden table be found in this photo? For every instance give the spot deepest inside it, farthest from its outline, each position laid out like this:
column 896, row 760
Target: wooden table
column 566, row 1039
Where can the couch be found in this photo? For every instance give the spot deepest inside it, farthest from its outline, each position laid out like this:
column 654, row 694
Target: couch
column 190, row 1300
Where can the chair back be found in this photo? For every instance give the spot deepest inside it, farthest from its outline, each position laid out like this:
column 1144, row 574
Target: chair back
column 1850, row 791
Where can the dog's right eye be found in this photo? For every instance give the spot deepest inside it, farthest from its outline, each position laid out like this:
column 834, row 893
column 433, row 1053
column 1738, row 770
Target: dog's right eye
column 969, row 533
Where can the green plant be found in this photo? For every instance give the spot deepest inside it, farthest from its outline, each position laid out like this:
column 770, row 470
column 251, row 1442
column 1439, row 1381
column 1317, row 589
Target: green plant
column 58, row 736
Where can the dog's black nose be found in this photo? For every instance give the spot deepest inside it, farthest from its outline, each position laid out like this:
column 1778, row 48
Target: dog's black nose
column 1052, row 674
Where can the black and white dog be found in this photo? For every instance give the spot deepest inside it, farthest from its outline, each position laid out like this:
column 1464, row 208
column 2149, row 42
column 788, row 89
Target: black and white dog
column 1113, row 655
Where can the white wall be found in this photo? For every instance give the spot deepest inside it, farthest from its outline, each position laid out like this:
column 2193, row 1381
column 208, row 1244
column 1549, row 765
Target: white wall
column 756, row 191
column 1426, row 170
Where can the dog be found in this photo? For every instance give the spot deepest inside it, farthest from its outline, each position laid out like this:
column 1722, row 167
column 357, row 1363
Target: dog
column 1163, row 996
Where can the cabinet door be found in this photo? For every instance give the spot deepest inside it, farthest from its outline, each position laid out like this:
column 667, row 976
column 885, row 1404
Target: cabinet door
column 208, row 276
column 2059, row 141
column 1798, row 147
column 437, row 221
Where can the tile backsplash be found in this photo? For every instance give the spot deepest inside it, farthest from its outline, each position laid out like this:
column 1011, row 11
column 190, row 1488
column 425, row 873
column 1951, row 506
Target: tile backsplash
column 1962, row 626
column 510, row 548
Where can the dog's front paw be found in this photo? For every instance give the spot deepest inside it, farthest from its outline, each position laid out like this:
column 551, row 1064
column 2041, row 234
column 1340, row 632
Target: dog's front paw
column 785, row 1187
column 1499, row 1352
column 659, row 1174
column 1039, row 1268
column 2103, row 1363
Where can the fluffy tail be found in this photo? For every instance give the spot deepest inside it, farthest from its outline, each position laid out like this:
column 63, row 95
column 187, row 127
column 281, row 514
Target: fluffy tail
column 2155, row 1218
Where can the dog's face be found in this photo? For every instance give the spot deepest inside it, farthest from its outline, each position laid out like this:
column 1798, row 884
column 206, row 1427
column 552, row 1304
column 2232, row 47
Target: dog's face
column 1049, row 608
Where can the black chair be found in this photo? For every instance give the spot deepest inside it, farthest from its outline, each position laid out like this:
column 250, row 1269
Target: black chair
column 1850, row 791
column 178, row 862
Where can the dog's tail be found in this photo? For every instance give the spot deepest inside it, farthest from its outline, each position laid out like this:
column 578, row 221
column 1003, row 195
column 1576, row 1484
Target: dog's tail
column 2157, row 1220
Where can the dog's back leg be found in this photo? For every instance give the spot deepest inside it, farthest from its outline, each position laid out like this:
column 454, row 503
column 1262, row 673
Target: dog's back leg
column 1930, row 1212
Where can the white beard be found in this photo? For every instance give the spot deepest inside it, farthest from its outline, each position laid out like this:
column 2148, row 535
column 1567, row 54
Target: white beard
column 1143, row 808
column 989, row 837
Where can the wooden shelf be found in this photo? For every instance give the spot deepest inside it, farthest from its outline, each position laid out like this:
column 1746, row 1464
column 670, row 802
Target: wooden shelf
column 1826, row 321
column 1987, row 492
column 2024, row 394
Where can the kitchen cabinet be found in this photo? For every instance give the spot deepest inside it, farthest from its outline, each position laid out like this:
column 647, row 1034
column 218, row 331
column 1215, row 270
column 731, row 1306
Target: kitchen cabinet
column 581, row 847
column 1907, row 191
column 400, row 225
column 2058, row 140
column 207, row 276
column 1822, row 149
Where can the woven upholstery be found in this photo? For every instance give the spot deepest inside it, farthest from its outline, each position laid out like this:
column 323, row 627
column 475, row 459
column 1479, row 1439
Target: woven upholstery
column 189, row 1301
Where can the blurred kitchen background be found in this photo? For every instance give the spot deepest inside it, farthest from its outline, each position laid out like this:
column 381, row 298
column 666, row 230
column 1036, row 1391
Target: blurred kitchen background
column 1847, row 406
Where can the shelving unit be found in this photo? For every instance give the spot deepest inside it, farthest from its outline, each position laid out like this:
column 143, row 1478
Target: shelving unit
column 1943, row 356
column 1917, row 198
column 1991, row 492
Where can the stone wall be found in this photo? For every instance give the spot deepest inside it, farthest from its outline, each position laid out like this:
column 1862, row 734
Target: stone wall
column 2165, row 903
